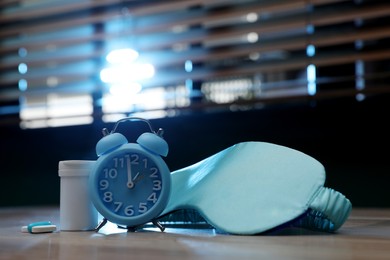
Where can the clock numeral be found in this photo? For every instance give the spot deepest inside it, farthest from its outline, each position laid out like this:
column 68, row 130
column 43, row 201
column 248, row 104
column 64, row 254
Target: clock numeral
column 156, row 185
column 118, row 206
column 110, row 173
column 119, row 162
column 134, row 158
column 104, row 184
column 129, row 211
column 142, row 208
column 145, row 163
column 154, row 172
column 152, row 197
column 107, row 196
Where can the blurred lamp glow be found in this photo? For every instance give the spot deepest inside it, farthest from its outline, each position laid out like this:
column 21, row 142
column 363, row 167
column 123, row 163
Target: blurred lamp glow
column 127, row 73
column 252, row 17
column 125, row 89
column 311, row 79
column 22, row 68
column 310, row 50
column 22, row 84
column 122, row 56
column 252, row 37
column 188, row 66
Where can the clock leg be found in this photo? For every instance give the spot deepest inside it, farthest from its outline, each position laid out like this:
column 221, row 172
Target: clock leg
column 131, row 229
column 158, row 224
column 134, row 228
column 101, row 224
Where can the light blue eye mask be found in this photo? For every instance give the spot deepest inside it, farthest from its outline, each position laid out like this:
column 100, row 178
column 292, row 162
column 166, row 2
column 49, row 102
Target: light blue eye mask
column 253, row 187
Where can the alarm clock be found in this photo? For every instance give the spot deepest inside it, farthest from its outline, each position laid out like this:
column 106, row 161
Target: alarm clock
column 130, row 182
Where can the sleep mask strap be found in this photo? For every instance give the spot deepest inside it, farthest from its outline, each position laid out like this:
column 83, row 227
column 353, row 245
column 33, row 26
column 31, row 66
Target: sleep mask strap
column 327, row 212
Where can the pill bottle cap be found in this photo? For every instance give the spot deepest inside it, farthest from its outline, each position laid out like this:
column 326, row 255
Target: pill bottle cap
column 75, row 167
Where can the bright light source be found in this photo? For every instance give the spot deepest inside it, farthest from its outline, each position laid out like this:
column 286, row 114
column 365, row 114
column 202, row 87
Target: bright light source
column 22, row 68
column 310, row 50
column 188, row 66
column 56, row 110
column 124, row 77
column 252, row 17
column 22, row 84
column 127, row 73
column 122, row 56
column 311, row 79
column 252, row 37
column 125, row 89
column 55, row 122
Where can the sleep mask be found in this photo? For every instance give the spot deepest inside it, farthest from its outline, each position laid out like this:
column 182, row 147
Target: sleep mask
column 253, row 187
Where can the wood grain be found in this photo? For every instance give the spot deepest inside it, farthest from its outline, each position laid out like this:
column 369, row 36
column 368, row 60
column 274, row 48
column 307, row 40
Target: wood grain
column 365, row 235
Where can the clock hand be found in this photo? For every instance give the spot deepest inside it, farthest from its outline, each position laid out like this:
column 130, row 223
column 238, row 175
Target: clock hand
column 136, row 176
column 130, row 183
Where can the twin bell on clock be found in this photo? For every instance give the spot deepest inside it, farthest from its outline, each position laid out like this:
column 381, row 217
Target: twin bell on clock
column 130, row 183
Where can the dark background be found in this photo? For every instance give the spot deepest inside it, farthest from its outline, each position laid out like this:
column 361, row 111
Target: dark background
column 350, row 138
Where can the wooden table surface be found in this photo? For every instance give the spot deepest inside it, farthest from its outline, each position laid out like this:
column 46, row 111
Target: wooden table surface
column 365, row 235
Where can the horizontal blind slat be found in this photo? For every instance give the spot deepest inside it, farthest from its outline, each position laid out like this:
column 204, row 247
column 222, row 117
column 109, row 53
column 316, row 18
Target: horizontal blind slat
column 269, row 26
column 211, row 34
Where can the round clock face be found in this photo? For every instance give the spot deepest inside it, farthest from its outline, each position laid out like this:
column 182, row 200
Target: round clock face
column 131, row 187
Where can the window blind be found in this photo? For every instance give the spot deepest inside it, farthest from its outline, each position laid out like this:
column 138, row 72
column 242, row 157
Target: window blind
column 206, row 55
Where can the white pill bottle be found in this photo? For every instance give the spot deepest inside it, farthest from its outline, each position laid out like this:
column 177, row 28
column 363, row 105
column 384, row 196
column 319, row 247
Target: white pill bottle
column 77, row 212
